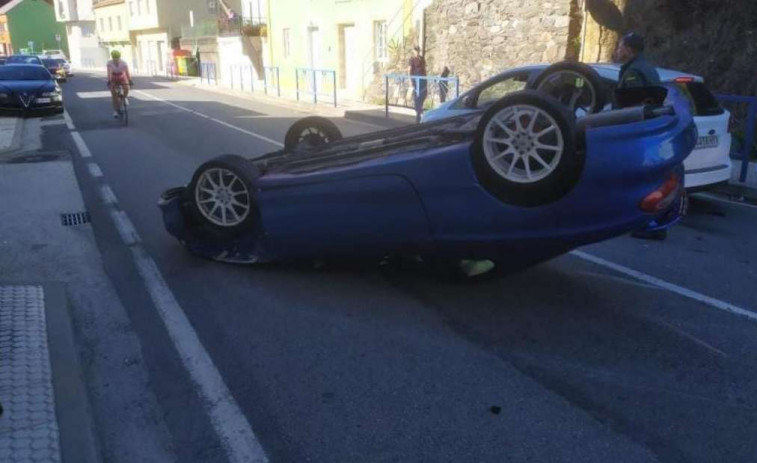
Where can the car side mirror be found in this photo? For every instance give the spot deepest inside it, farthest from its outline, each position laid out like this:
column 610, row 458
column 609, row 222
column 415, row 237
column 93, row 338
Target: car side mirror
column 468, row 101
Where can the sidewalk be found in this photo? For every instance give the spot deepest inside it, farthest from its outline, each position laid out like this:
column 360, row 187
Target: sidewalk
column 66, row 398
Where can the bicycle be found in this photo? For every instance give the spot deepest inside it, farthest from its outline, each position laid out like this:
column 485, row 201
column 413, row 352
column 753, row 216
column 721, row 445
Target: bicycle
column 123, row 110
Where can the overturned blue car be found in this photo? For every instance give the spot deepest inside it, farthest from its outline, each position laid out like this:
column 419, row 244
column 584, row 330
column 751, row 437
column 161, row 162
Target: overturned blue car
column 517, row 183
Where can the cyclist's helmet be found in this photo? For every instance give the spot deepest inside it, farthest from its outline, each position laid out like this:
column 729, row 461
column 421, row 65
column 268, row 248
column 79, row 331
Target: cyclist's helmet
column 115, row 54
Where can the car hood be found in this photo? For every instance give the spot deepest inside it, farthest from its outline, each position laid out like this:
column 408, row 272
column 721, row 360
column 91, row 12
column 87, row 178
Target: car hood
column 26, row 86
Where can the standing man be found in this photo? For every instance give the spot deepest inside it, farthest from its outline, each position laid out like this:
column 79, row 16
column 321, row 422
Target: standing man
column 420, row 86
column 636, row 71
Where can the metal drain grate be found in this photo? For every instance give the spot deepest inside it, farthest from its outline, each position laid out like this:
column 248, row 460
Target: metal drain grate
column 75, row 218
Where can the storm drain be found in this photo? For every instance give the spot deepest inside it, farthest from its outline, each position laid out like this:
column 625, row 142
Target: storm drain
column 74, row 218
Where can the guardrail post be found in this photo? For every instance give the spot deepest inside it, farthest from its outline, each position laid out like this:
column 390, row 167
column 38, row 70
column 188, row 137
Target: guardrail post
column 386, row 95
column 265, row 81
column 278, row 83
column 297, row 82
column 315, row 89
column 241, row 77
column 334, row 89
column 457, row 87
column 252, row 81
column 231, row 76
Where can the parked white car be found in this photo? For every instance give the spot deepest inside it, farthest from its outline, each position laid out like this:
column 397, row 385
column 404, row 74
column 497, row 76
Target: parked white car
column 708, row 165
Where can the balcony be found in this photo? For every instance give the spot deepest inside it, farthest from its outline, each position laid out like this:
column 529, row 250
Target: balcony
column 224, row 27
column 200, row 30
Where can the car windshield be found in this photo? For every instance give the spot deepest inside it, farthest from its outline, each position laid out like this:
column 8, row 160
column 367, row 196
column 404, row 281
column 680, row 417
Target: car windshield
column 50, row 63
column 23, row 73
column 23, row 59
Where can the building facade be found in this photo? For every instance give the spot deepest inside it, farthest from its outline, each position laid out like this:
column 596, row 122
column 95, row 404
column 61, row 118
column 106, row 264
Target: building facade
column 32, row 26
column 79, row 20
column 6, row 48
column 354, row 38
column 155, row 28
column 112, row 23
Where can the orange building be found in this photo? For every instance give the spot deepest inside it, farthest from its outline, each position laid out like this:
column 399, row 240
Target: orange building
column 5, row 37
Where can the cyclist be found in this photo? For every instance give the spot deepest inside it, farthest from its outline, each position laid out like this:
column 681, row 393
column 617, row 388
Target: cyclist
column 118, row 75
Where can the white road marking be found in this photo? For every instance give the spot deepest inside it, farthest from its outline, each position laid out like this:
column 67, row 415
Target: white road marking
column 623, row 280
column 80, row 145
column 92, row 95
column 218, row 121
column 724, row 200
column 107, row 195
column 673, row 288
column 125, row 228
column 230, row 424
column 53, row 122
column 69, row 121
column 94, row 170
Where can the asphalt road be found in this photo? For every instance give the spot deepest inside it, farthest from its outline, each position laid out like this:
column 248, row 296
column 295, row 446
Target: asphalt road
column 567, row 361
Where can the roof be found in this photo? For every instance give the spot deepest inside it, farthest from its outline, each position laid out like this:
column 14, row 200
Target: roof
column 104, row 3
column 9, row 5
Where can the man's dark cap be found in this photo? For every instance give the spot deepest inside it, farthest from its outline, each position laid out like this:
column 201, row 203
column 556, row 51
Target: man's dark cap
column 634, row 41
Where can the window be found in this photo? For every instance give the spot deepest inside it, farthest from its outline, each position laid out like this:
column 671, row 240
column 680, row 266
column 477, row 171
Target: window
column 287, row 45
column 139, row 7
column 379, row 40
column 131, row 8
column 502, row 87
column 110, row 24
column 2, row 28
column 102, row 24
column 120, row 27
column 86, row 30
column 147, row 6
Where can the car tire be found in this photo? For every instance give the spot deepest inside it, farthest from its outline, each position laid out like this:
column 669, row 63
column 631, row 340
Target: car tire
column 524, row 150
column 221, row 194
column 311, row 132
column 562, row 81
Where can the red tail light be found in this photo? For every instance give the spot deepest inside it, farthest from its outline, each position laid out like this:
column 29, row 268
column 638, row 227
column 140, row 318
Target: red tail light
column 683, row 80
column 662, row 197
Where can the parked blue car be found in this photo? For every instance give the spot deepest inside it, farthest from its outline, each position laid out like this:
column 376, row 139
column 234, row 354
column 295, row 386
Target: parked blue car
column 519, row 183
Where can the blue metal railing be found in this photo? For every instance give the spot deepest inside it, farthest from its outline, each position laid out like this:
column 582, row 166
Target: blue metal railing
column 242, row 76
column 435, row 87
column 208, row 72
column 271, row 79
column 751, row 118
column 314, row 82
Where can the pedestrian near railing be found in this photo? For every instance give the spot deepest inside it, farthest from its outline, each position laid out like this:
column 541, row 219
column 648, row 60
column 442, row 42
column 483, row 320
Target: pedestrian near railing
column 744, row 136
column 316, row 82
column 399, row 90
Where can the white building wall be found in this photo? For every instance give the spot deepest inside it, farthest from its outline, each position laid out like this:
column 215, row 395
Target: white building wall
column 84, row 47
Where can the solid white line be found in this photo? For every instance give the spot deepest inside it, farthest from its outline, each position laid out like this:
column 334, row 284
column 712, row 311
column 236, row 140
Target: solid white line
column 80, row 145
column 218, row 121
column 673, row 288
column 726, row 201
column 107, row 195
column 230, row 424
column 69, row 121
column 232, row 427
column 125, row 228
column 94, row 170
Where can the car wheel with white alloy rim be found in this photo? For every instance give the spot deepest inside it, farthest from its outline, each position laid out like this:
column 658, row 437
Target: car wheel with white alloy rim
column 524, row 150
column 222, row 193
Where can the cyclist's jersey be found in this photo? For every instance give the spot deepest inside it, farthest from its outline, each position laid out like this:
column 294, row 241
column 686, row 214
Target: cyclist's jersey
column 117, row 71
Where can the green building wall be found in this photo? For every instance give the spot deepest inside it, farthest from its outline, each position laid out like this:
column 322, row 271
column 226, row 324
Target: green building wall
column 34, row 20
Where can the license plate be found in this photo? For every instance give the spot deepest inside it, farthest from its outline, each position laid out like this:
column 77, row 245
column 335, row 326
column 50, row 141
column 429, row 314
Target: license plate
column 710, row 141
column 43, row 100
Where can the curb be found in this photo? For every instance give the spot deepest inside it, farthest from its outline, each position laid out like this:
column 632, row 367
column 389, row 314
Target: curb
column 18, row 131
column 741, row 193
column 77, row 440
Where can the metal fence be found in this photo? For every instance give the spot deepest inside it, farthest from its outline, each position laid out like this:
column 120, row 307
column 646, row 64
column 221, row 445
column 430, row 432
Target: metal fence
column 316, row 82
column 744, row 113
column 242, row 76
column 271, row 80
column 208, row 72
column 399, row 90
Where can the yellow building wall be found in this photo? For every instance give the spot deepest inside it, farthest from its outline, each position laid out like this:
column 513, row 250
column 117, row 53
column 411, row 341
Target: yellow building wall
column 330, row 16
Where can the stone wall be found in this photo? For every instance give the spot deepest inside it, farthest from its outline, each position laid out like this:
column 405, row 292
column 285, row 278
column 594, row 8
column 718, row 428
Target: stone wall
column 477, row 39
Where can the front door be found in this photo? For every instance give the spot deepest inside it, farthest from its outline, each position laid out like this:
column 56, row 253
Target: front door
column 351, row 60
